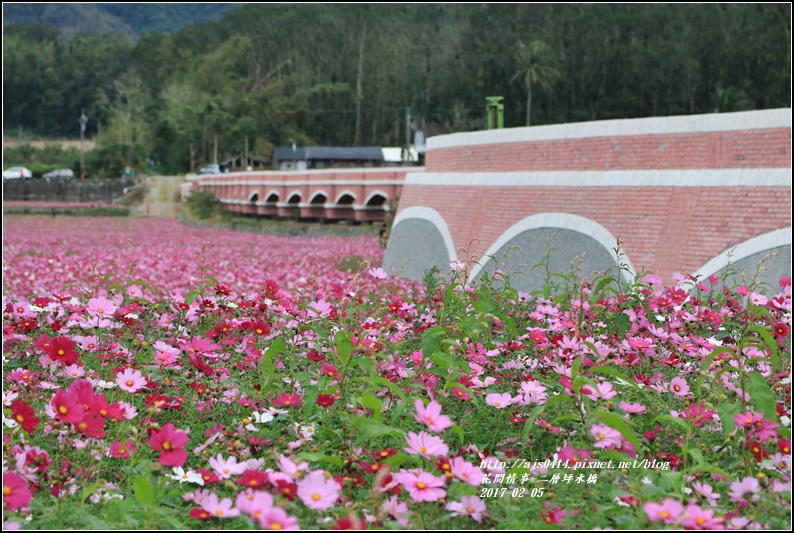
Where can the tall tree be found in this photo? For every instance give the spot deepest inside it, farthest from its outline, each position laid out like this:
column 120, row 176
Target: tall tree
column 536, row 66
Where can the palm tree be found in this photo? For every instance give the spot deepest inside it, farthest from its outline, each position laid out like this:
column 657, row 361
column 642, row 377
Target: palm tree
column 536, row 66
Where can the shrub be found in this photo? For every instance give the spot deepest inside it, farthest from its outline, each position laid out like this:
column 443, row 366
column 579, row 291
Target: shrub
column 203, row 204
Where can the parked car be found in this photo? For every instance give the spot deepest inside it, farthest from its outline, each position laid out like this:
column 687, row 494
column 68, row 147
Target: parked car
column 17, row 173
column 60, row 174
column 212, row 169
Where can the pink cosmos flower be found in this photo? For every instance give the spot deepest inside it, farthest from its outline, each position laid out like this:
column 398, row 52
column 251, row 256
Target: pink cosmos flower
column 317, row 491
column 130, row 380
column 171, row 443
column 288, row 400
column 277, row 518
column 744, row 489
column 632, row 408
column 500, row 401
column 426, row 445
column 226, row 468
column 466, row 471
column 667, row 511
column 707, row 491
column 254, row 503
column 679, row 386
column 67, row 406
column 330, row 370
column 605, row 436
column 398, row 510
column 422, row 486
column 101, row 307
column 764, row 430
column 431, row 416
column 697, row 518
column 16, row 493
column 219, row 508
column 471, row 506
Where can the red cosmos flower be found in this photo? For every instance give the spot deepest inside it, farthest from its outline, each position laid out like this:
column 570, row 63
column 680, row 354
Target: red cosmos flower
column 24, row 415
column 349, row 523
column 271, row 287
column 254, row 479
column 383, row 454
column 62, row 350
column 260, row 328
column 91, row 425
column 200, row 514
column 325, row 400
column 316, row 356
column 781, row 330
column 99, row 405
column 16, row 493
column 171, row 443
column 208, row 476
column 759, row 452
column 330, row 370
column 67, row 406
column 287, row 488
column 288, row 400
column 784, row 445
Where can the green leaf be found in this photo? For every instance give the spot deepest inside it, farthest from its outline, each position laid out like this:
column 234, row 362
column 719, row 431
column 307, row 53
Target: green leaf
column 320, row 457
column 614, row 372
column 762, row 395
column 373, row 404
column 144, row 491
column 623, row 323
column 459, row 431
column 710, row 469
column 770, row 342
column 344, row 347
column 431, row 340
column 704, row 369
column 680, row 422
column 191, row 297
column 310, row 400
column 726, row 412
column 367, row 428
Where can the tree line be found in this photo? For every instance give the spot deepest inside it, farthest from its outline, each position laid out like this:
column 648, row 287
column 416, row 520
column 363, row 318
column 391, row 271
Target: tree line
column 346, row 74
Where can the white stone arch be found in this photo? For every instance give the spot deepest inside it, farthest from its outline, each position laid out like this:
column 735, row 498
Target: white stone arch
column 255, row 192
column 434, row 217
column 293, row 194
column 579, row 224
column 748, row 248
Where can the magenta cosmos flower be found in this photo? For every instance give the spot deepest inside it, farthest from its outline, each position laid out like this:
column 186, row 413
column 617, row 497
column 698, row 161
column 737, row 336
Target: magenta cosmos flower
column 16, row 493
column 171, row 443
column 317, row 491
column 422, row 486
column 426, row 445
column 431, row 416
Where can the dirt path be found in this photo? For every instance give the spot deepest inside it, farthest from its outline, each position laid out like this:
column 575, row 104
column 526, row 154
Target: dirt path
column 162, row 197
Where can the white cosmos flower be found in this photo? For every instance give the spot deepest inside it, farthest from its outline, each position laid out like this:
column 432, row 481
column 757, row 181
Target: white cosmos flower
column 262, row 418
column 10, row 422
column 187, row 477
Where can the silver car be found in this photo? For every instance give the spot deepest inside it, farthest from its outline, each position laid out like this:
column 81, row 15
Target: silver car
column 60, row 174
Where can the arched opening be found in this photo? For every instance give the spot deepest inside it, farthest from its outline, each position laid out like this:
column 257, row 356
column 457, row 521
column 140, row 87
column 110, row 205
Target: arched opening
column 376, row 200
column 318, row 199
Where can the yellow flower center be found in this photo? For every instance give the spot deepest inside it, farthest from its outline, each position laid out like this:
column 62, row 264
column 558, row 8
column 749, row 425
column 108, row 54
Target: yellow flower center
column 316, row 497
column 421, row 485
column 167, row 446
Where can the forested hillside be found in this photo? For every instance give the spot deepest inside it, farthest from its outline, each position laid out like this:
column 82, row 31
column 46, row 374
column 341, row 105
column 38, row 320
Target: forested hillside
column 344, row 74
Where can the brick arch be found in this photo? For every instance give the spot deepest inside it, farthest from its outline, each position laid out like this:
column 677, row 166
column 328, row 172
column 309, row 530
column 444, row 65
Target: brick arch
column 292, row 195
column 748, row 253
column 575, row 227
column 316, row 194
column 254, row 196
column 271, row 194
column 344, row 193
column 375, row 193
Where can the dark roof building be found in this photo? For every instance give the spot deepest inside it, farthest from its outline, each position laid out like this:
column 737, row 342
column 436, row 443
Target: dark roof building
column 306, row 157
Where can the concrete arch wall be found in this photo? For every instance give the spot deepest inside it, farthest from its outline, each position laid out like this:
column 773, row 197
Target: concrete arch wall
column 746, row 256
column 578, row 242
column 317, row 193
column 343, row 193
column 421, row 235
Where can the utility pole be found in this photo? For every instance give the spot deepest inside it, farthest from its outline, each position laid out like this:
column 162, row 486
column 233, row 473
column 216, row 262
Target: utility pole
column 83, row 122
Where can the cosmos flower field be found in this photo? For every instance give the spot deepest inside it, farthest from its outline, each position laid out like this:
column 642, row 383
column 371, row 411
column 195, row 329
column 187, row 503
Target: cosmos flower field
column 157, row 376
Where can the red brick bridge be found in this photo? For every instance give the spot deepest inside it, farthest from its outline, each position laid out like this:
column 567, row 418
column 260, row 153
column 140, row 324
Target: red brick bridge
column 688, row 194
